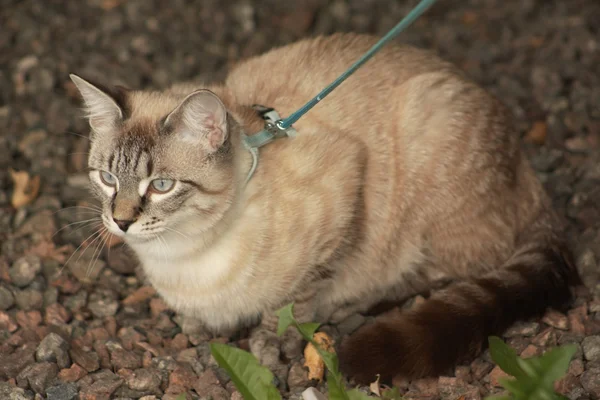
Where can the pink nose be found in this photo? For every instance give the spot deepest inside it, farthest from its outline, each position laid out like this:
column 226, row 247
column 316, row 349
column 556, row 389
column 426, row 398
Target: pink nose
column 123, row 224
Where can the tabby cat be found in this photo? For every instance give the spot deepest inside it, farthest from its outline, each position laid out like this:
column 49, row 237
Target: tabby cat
column 408, row 174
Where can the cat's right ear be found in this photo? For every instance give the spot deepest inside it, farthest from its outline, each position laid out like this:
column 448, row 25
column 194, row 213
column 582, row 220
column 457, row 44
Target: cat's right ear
column 103, row 111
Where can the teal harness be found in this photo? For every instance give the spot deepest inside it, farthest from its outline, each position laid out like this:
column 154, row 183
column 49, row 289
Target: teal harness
column 276, row 128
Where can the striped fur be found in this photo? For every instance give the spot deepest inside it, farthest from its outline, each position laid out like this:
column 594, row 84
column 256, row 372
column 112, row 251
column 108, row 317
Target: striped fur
column 407, row 174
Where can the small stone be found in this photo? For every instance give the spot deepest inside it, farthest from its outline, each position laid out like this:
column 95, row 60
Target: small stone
column 120, row 261
column 39, row 376
column 179, row 342
column 545, row 338
column 67, row 285
column 88, row 360
column 11, row 392
column 129, row 337
column 24, row 270
column 576, row 320
column 12, row 364
column 576, row 367
column 216, row 392
column 7, row 300
column 480, row 368
column 29, row 319
column 103, row 307
column 556, row 320
column 523, row 329
column 144, row 380
column 121, row 358
column 183, row 376
column 590, row 380
column 205, row 381
column 56, row 314
column 103, row 387
column 463, row 372
column 7, row 323
column 454, row 388
column 73, row 374
column 50, row 296
column 140, row 295
column 64, row 391
column 157, row 306
column 55, row 349
column 496, row 375
column 529, row 351
column 591, row 348
column 29, row 299
column 313, row 394
column 298, row 376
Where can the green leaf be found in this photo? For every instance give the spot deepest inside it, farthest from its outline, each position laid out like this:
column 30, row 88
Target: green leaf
column 555, row 362
column 335, row 390
column 505, row 357
column 254, row 381
column 391, row 394
column 286, row 318
column 181, row 397
column 308, row 329
column 356, row 394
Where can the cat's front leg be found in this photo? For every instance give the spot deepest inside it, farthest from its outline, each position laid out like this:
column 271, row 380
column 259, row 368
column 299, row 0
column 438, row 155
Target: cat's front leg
column 268, row 347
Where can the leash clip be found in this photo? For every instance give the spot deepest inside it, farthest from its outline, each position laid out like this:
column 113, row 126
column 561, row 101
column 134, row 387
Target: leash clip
column 273, row 130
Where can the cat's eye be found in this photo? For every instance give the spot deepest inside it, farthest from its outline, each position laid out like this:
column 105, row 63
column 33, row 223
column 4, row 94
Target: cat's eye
column 162, row 185
column 108, row 179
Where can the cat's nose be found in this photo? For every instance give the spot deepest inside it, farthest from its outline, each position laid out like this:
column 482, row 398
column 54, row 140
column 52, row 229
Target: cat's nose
column 123, row 224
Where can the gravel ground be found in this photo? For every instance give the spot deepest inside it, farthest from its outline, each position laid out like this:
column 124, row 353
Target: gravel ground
column 100, row 333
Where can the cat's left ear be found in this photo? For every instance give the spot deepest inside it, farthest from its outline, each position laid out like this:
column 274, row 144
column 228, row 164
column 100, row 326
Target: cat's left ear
column 102, row 104
column 200, row 118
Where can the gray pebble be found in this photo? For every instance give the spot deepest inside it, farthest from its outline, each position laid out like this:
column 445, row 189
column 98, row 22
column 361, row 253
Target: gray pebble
column 24, row 270
column 7, row 300
column 54, row 348
column 29, row 299
column 591, row 348
column 64, row 391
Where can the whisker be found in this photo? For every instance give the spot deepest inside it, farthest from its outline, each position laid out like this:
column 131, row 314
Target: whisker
column 179, row 233
column 93, row 262
column 98, row 232
column 91, row 208
column 77, row 134
column 77, row 223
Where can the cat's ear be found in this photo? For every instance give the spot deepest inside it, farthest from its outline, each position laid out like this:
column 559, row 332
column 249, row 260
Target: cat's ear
column 200, row 118
column 103, row 111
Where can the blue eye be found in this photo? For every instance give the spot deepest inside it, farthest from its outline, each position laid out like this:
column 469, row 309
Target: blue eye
column 108, row 179
column 162, row 185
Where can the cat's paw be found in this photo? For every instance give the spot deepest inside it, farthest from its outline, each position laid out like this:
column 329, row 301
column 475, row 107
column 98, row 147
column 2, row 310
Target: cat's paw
column 292, row 344
column 265, row 345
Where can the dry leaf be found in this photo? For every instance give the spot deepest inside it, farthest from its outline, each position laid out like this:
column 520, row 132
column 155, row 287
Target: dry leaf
column 314, row 362
column 538, row 133
column 374, row 387
column 26, row 188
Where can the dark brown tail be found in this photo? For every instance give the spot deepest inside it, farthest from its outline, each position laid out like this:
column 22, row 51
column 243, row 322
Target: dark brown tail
column 453, row 325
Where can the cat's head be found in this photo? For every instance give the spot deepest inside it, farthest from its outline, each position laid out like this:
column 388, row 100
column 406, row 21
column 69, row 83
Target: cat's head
column 158, row 160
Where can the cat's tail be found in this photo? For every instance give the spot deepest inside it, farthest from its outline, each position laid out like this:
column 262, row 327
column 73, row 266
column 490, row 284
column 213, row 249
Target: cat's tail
column 453, row 325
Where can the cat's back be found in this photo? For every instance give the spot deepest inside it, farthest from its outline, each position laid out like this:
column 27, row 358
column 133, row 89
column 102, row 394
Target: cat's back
column 286, row 77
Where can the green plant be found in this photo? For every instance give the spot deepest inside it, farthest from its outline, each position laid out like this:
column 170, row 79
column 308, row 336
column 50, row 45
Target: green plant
column 534, row 377
column 335, row 384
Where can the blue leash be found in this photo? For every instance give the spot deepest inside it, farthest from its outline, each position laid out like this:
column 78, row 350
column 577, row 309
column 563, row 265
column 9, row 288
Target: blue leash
column 275, row 127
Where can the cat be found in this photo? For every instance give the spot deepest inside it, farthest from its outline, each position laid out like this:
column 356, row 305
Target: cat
column 407, row 174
